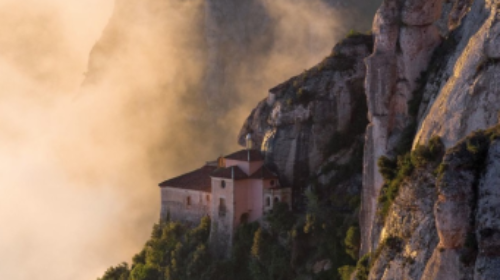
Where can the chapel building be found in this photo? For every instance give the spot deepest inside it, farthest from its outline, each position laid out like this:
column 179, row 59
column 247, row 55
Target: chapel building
column 236, row 188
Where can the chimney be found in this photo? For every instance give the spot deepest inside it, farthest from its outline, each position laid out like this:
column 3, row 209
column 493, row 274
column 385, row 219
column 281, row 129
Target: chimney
column 249, row 141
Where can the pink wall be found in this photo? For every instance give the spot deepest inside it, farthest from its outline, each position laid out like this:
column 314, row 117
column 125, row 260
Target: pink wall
column 248, row 199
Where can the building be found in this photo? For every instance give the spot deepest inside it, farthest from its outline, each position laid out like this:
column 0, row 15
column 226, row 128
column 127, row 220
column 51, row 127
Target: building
column 234, row 189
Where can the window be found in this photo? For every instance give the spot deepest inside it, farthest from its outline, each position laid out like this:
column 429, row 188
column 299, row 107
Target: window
column 276, row 199
column 208, row 198
column 222, row 184
column 268, row 201
column 222, row 207
column 272, row 183
column 188, row 201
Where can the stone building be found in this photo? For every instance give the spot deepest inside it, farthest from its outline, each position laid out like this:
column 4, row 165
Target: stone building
column 234, row 189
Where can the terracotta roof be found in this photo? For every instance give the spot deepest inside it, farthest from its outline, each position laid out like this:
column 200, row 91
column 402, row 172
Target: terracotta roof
column 232, row 172
column 246, row 155
column 263, row 173
column 198, row 180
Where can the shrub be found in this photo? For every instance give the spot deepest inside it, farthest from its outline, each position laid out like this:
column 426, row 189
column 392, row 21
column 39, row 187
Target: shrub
column 281, row 219
column 387, row 168
column 363, row 268
column 391, row 187
column 352, row 241
column 346, row 271
column 353, row 33
column 431, row 152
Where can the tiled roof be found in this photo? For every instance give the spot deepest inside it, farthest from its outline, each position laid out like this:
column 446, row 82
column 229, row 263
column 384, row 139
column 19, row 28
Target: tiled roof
column 232, row 172
column 263, row 173
column 198, row 180
column 246, row 155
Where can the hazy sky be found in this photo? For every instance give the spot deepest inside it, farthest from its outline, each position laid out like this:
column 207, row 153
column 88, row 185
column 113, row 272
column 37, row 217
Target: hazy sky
column 78, row 190
column 44, row 47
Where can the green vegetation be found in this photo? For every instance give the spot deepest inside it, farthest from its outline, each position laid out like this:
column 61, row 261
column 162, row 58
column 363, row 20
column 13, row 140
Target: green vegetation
column 346, row 271
column 119, row 272
column 353, row 33
column 173, row 252
column 396, row 171
column 353, row 241
column 432, row 152
column 285, row 248
column 363, row 268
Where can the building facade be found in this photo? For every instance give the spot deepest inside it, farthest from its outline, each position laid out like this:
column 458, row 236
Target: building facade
column 234, row 189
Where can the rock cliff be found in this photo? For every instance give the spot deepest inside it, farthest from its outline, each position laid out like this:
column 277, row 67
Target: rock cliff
column 313, row 116
column 432, row 73
column 435, row 228
column 405, row 39
column 444, row 222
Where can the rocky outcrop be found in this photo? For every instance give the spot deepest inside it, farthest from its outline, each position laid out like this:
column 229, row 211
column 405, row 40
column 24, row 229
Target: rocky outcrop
column 312, row 116
column 405, row 39
column 444, row 223
column 409, row 230
column 467, row 99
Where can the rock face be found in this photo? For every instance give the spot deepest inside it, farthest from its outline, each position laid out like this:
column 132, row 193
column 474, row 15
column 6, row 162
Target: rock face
column 444, row 224
column 312, row 116
column 405, row 39
column 410, row 225
column 455, row 46
column 468, row 99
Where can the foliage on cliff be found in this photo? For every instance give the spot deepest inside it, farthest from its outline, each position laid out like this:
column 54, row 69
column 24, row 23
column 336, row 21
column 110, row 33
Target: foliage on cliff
column 287, row 246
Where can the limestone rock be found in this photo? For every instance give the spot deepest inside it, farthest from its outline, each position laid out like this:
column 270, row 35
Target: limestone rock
column 468, row 100
column 297, row 122
column 405, row 39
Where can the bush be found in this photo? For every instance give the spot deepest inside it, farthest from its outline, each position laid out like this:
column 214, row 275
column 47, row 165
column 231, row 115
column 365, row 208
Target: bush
column 391, row 187
column 352, row 241
column 432, row 152
column 387, row 167
column 363, row 268
column 346, row 271
column 281, row 219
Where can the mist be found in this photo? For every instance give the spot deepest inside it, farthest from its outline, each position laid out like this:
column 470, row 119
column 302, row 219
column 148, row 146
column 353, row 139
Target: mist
column 101, row 101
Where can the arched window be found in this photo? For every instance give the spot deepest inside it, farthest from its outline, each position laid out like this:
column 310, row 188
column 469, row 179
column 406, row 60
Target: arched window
column 268, row 201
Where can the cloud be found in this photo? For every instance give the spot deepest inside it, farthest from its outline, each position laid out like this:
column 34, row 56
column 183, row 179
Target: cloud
column 96, row 111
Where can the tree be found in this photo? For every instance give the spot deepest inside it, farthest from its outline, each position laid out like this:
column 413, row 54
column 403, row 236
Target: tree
column 119, row 272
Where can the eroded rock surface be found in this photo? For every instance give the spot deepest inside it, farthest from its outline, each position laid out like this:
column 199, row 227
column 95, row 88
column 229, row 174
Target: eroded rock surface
column 311, row 116
column 468, row 100
column 405, row 39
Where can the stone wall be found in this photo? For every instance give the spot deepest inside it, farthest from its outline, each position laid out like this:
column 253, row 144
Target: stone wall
column 221, row 231
column 174, row 204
